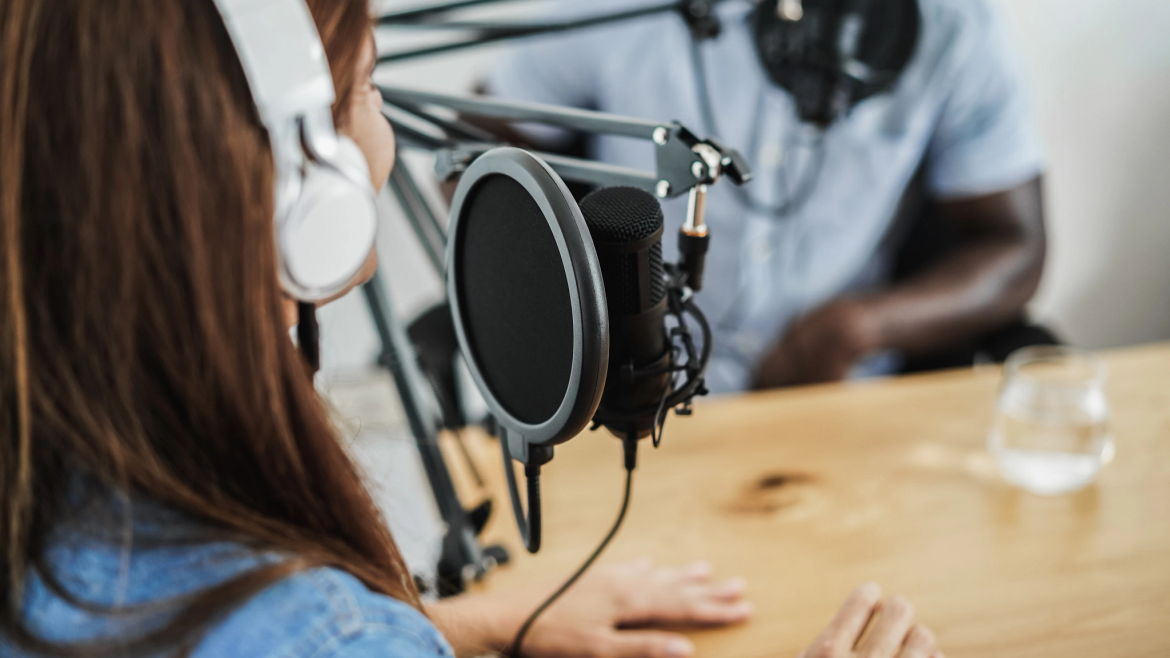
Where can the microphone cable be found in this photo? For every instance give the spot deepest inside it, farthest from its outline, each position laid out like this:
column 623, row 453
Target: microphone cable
column 795, row 199
column 309, row 335
column 782, row 212
column 630, row 445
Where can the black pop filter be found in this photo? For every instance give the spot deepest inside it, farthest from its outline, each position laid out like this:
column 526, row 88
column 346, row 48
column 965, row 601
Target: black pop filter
column 528, row 300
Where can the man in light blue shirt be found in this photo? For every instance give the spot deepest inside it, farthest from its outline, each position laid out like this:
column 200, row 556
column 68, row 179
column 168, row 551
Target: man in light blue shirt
column 799, row 283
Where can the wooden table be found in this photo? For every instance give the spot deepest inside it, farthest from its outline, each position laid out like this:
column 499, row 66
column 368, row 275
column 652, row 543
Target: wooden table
column 806, row 492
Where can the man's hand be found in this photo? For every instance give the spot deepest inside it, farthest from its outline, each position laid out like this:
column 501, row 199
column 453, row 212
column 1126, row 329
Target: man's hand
column 982, row 283
column 822, row 346
column 609, row 613
column 867, row 627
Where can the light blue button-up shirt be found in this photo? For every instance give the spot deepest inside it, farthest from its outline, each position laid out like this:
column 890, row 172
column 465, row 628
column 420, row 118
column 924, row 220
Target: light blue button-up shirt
column 959, row 109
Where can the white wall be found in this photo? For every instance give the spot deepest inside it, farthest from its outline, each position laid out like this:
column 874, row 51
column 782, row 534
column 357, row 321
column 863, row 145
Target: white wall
column 1101, row 76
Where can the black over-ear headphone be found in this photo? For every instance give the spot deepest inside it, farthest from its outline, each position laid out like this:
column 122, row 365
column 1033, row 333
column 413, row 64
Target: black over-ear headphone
column 832, row 54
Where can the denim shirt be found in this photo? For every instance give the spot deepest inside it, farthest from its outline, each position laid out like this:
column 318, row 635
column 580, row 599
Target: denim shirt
column 320, row 613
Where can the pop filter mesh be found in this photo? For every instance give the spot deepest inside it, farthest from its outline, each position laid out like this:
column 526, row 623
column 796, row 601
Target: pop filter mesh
column 514, row 299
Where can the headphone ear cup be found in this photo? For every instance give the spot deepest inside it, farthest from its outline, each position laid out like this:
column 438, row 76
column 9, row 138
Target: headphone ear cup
column 352, row 162
column 330, row 232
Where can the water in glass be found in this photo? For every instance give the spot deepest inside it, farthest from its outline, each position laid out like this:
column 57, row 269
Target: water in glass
column 1051, row 430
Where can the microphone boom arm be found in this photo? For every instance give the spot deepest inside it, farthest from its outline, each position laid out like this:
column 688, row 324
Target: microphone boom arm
column 683, row 161
column 698, row 14
column 451, row 161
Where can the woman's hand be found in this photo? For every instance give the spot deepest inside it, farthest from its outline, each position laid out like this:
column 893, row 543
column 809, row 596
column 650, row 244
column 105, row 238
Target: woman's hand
column 609, row 613
column 867, row 627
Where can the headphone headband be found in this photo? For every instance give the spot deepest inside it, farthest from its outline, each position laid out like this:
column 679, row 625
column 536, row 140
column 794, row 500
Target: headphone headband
column 282, row 56
column 325, row 214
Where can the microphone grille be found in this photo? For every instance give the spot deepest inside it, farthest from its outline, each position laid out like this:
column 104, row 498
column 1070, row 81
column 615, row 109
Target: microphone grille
column 621, row 214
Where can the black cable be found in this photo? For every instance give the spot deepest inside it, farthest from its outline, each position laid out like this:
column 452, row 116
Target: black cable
column 812, row 173
column 309, row 335
column 504, row 31
column 427, row 13
column 702, row 92
column 795, row 201
column 659, row 417
column 514, row 650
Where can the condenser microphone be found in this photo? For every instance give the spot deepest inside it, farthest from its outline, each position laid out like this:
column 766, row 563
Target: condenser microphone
column 626, row 226
column 559, row 311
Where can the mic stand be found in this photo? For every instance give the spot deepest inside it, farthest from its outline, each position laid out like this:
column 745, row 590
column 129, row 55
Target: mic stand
column 685, row 165
column 419, row 214
column 698, row 14
column 463, row 559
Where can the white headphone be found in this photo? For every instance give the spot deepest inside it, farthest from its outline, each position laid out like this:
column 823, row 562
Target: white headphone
column 326, row 220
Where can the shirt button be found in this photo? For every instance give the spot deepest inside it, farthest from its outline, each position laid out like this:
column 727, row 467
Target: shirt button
column 747, row 342
column 771, row 155
column 762, row 250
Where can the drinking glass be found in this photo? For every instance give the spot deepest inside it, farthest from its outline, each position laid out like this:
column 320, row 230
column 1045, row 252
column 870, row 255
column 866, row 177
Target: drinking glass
column 1051, row 430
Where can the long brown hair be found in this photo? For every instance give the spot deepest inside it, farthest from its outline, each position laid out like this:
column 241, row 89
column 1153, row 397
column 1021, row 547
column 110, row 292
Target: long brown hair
column 344, row 27
column 142, row 340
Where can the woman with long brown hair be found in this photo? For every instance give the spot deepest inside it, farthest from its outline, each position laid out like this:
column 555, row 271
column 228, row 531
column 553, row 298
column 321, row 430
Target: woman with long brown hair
column 170, row 483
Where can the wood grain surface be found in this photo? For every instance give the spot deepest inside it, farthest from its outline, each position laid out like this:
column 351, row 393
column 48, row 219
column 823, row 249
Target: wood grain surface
column 807, row 492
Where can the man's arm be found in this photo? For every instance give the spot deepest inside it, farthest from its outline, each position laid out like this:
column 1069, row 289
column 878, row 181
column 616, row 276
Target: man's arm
column 983, row 140
column 984, row 283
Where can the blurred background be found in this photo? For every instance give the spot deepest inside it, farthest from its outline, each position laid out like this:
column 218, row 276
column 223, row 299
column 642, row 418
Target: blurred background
column 1100, row 80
